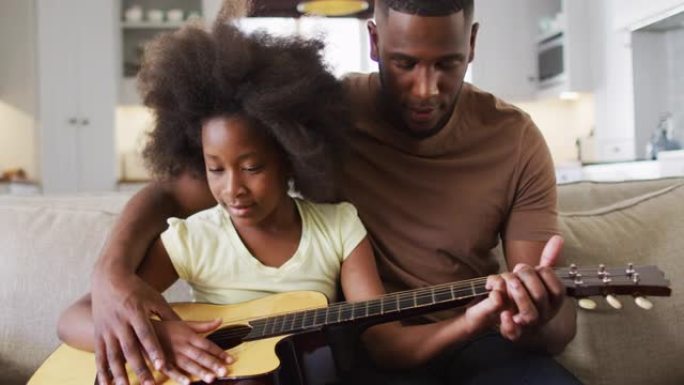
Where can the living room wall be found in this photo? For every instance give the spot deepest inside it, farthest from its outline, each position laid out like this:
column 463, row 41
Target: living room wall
column 18, row 86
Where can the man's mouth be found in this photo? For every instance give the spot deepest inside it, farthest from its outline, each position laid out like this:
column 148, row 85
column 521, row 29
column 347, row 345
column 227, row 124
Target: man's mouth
column 422, row 114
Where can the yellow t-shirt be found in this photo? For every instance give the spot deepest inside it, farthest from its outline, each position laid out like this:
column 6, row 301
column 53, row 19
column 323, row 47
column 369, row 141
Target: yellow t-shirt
column 207, row 252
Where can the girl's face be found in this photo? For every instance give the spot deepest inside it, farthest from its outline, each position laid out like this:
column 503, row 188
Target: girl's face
column 246, row 172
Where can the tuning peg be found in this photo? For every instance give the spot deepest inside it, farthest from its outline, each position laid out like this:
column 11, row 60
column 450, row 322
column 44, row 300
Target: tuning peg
column 643, row 303
column 614, row 302
column 587, row 304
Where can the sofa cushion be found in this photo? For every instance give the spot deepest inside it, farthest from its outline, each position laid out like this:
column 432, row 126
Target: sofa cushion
column 586, row 195
column 47, row 249
column 630, row 346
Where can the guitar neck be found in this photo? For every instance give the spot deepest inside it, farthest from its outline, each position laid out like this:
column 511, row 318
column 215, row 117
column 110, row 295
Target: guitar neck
column 383, row 309
column 578, row 282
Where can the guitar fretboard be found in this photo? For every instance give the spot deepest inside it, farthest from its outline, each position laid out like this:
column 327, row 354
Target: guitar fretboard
column 387, row 307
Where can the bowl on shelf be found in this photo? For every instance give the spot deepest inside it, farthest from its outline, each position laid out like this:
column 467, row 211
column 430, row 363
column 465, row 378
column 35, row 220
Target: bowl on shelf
column 155, row 15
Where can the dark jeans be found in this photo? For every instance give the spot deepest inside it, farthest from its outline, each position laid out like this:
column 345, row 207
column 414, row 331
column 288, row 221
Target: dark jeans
column 489, row 359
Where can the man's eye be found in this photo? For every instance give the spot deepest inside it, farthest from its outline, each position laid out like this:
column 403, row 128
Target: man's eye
column 447, row 64
column 405, row 63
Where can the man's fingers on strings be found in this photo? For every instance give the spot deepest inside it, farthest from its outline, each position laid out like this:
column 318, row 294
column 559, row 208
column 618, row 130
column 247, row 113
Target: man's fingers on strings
column 552, row 251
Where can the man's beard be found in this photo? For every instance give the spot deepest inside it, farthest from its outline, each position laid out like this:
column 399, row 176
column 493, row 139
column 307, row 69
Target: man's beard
column 395, row 111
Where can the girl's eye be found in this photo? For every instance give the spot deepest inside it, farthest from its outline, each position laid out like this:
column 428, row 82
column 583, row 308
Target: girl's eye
column 215, row 169
column 253, row 169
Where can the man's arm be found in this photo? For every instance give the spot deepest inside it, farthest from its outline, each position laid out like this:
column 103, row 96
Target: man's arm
column 540, row 319
column 121, row 302
column 395, row 346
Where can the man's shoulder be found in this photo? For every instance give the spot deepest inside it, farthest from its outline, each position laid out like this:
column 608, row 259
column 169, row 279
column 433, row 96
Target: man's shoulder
column 489, row 109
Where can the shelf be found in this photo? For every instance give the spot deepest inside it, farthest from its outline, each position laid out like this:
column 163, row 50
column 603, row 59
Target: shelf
column 549, row 35
column 152, row 24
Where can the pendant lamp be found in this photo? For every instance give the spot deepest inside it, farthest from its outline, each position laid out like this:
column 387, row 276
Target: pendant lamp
column 332, row 7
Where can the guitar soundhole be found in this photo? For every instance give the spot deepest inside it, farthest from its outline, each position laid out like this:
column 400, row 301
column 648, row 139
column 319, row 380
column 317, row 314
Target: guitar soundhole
column 229, row 336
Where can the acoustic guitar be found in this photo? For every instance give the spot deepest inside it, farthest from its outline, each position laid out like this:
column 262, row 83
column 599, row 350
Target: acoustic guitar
column 252, row 330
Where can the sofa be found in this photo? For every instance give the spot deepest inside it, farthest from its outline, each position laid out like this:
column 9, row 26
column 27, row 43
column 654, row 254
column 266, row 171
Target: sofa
column 48, row 246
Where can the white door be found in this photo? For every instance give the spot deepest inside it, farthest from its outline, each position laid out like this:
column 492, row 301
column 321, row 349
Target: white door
column 77, row 90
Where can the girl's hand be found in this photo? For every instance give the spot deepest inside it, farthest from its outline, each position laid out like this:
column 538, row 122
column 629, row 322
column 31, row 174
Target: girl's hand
column 192, row 353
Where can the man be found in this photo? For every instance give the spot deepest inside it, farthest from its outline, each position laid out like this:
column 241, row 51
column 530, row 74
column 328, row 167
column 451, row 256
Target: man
column 438, row 170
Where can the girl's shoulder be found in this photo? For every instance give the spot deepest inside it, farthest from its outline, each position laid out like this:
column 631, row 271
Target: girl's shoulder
column 213, row 216
column 329, row 217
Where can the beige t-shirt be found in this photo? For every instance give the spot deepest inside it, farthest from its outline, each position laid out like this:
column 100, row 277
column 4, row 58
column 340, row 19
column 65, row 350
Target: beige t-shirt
column 436, row 207
column 207, row 252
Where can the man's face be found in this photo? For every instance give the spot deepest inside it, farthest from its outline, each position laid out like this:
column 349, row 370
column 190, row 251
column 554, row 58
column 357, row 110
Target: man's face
column 422, row 61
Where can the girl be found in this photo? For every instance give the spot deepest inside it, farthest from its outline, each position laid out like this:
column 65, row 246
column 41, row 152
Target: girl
column 257, row 116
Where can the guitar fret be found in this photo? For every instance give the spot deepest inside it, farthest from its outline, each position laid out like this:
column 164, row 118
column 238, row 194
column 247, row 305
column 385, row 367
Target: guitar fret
column 319, row 317
column 424, row 299
column 265, row 332
column 443, row 295
column 472, row 287
column 390, row 306
column 257, row 328
column 285, row 320
column 375, row 307
column 346, row 313
column 294, row 321
column 305, row 319
column 272, row 319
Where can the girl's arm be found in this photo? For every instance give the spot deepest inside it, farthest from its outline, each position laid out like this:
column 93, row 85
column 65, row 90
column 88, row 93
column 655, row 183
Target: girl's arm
column 191, row 352
column 393, row 345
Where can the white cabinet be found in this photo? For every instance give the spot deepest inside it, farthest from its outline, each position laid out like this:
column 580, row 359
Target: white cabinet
column 77, row 94
column 572, row 24
column 507, row 50
column 634, row 14
column 504, row 51
column 152, row 17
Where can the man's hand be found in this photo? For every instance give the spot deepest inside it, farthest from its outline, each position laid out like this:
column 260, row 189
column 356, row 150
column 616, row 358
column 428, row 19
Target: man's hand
column 122, row 306
column 192, row 354
column 534, row 294
column 484, row 314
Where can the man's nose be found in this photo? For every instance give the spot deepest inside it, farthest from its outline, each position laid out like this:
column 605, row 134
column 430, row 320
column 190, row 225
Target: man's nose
column 425, row 83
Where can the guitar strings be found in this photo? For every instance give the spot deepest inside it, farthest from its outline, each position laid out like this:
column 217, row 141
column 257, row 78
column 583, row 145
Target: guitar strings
column 373, row 305
column 228, row 334
column 583, row 271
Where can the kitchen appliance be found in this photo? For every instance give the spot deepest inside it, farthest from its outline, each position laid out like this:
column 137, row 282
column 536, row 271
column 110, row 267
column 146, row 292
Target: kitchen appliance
column 550, row 60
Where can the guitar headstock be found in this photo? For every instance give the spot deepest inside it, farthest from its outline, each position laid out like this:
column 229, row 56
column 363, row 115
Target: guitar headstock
column 637, row 281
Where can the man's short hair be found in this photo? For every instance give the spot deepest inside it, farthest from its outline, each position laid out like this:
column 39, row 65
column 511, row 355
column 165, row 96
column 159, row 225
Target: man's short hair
column 427, row 7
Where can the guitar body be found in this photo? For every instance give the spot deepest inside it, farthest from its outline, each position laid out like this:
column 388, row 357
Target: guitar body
column 69, row 366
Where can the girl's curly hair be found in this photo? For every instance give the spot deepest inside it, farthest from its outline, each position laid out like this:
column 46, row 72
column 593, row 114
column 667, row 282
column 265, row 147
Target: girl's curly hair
column 280, row 84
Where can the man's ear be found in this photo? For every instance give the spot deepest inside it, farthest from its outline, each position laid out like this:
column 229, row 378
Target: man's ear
column 473, row 39
column 373, row 38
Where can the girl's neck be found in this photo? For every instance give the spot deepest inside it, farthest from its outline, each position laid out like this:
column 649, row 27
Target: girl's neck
column 284, row 218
